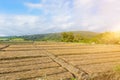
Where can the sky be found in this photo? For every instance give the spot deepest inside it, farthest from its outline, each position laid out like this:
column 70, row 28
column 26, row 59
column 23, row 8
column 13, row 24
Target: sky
column 24, row 17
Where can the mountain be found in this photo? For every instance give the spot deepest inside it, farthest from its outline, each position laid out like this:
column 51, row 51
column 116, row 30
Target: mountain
column 42, row 37
column 52, row 36
column 86, row 34
column 57, row 36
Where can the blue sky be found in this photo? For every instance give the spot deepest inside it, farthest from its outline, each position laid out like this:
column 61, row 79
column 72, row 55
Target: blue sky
column 14, row 7
column 22, row 17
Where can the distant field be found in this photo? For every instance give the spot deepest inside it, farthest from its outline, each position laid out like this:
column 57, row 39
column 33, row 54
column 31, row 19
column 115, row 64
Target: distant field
column 30, row 61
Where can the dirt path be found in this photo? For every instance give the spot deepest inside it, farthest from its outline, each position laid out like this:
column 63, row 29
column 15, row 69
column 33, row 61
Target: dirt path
column 3, row 47
column 77, row 72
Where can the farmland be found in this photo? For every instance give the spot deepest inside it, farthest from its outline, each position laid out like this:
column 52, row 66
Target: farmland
column 33, row 62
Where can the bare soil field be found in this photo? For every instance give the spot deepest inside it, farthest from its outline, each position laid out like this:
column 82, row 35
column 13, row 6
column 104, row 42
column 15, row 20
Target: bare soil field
column 31, row 62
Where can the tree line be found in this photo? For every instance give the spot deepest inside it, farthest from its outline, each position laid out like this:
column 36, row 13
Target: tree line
column 104, row 38
column 100, row 38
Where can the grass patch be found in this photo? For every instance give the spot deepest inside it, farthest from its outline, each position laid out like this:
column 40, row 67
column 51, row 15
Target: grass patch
column 117, row 68
column 73, row 79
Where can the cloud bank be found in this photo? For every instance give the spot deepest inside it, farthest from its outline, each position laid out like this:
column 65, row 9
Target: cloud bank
column 63, row 15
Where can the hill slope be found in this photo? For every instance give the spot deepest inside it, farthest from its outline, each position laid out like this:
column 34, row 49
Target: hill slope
column 57, row 36
column 51, row 36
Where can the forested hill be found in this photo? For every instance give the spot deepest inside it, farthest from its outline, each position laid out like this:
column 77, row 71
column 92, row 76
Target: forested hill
column 86, row 34
column 57, row 36
column 72, row 36
column 47, row 37
column 42, row 37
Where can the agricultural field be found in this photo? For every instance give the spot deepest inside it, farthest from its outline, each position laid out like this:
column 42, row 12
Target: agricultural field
column 48, row 61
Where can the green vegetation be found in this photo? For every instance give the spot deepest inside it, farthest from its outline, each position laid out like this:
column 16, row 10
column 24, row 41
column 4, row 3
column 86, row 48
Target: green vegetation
column 3, row 39
column 102, row 38
column 108, row 38
column 117, row 68
column 16, row 39
column 42, row 37
column 67, row 37
column 74, row 36
column 73, row 79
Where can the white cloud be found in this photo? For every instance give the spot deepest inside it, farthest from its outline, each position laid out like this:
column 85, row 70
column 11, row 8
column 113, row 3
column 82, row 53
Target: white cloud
column 33, row 6
column 2, row 35
column 27, row 24
column 20, row 24
column 98, row 15
column 61, row 15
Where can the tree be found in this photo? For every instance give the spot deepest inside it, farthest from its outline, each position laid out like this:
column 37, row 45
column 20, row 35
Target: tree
column 67, row 36
column 64, row 36
column 108, row 38
column 77, row 38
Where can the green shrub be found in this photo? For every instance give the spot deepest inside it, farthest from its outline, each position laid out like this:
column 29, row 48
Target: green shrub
column 117, row 68
column 73, row 79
